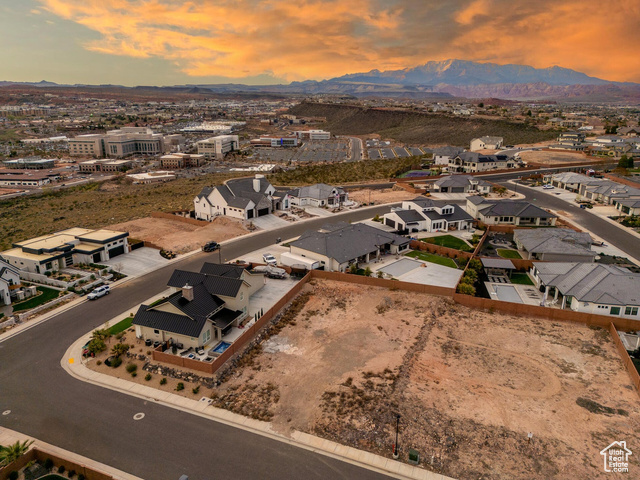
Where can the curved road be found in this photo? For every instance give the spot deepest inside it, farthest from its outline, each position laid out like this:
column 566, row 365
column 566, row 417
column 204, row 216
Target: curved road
column 47, row 403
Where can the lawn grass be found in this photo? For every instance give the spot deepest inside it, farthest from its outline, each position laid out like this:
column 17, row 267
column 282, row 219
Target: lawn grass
column 521, row 279
column 46, row 295
column 121, row 326
column 504, row 253
column 430, row 257
column 448, row 241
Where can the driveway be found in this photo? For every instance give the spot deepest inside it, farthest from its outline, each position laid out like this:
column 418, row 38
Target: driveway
column 269, row 222
column 138, row 262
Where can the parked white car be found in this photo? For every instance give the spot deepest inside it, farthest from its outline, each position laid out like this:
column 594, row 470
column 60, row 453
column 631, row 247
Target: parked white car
column 269, row 259
column 547, row 186
column 99, row 292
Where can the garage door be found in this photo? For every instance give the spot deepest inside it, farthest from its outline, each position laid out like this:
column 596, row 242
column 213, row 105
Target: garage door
column 263, row 211
column 390, row 223
column 114, row 252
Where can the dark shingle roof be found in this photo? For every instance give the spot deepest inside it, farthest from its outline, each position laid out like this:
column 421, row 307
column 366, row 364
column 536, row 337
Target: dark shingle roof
column 409, row 216
column 202, row 305
column 215, row 285
column 222, row 270
column 169, row 322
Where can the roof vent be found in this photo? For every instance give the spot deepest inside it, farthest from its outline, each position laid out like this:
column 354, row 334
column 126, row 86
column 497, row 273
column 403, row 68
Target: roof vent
column 187, row 292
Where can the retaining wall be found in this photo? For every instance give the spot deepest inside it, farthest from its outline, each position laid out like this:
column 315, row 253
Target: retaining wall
column 626, row 359
column 178, row 218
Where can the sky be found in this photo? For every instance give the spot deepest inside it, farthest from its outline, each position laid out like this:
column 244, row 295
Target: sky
column 169, row 42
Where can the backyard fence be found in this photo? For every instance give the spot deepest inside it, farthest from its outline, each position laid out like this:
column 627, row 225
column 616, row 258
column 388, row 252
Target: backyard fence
column 626, row 359
column 439, row 250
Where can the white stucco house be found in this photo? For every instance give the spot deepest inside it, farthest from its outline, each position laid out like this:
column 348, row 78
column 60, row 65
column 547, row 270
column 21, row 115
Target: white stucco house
column 9, row 276
column 242, row 198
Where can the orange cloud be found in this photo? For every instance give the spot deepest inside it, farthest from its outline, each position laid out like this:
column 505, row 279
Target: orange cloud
column 315, row 39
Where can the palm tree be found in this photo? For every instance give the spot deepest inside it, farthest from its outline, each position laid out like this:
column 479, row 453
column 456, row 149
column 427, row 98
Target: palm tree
column 13, row 452
column 119, row 349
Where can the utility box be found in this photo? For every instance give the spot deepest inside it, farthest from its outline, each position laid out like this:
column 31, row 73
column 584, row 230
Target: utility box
column 414, row 457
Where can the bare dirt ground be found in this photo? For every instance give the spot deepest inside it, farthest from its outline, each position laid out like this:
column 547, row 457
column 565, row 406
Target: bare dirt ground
column 469, row 385
column 553, row 157
column 377, row 197
column 181, row 237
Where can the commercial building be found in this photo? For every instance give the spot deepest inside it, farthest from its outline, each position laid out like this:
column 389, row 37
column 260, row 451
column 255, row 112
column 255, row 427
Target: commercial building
column 24, row 179
column 32, row 163
column 313, row 135
column 59, row 250
column 181, row 160
column 104, row 165
column 216, row 147
column 275, row 141
column 118, row 143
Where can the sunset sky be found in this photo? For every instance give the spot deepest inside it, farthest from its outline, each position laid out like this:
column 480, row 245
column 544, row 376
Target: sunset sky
column 167, row 42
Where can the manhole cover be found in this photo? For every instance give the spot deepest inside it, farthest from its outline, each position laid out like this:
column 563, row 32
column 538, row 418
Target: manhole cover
column 138, row 416
column 6, row 412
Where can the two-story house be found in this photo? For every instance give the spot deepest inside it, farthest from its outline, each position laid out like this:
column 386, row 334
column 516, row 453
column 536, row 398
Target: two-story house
column 508, row 212
column 424, row 214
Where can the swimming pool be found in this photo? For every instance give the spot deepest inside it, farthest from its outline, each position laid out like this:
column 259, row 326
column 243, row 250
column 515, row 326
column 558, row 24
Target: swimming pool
column 221, row 347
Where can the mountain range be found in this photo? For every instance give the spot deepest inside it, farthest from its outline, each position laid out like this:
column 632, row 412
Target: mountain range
column 442, row 79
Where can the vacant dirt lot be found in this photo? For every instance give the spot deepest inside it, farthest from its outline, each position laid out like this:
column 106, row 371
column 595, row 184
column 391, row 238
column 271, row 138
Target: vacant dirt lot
column 377, row 197
column 469, row 385
column 178, row 236
column 553, row 157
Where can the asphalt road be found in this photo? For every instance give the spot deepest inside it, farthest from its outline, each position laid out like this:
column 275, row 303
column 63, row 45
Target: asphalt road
column 47, row 403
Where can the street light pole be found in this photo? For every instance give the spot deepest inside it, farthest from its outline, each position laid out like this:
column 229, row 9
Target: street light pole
column 395, row 446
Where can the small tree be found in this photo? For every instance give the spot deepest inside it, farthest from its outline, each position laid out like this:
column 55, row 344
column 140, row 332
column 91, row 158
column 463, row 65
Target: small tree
column 466, row 289
column 12, row 452
column 96, row 346
column 367, row 272
column 119, row 349
column 353, row 268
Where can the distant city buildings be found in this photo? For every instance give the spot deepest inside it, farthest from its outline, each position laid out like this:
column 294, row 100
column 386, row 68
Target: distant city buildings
column 104, row 165
column 118, row 143
column 275, row 141
column 32, row 163
column 182, row 160
column 216, row 147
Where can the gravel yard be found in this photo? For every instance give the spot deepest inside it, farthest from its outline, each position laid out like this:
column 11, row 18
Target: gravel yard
column 469, row 385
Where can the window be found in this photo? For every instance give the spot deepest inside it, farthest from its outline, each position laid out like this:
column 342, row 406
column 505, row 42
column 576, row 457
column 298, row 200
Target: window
column 157, row 332
column 631, row 311
column 206, row 336
column 614, row 311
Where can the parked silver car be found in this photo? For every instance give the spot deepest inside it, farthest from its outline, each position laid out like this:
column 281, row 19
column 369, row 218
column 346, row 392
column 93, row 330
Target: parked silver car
column 99, row 292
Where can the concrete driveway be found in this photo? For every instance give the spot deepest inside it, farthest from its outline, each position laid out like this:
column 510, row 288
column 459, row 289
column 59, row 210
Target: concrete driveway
column 269, row 222
column 138, row 262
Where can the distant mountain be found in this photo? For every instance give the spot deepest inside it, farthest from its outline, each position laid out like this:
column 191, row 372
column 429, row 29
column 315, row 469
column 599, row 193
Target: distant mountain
column 463, row 72
column 433, row 80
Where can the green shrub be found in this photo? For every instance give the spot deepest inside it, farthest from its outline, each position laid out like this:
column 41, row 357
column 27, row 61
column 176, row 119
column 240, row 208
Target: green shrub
column 116, row 362
column 13, row 475
column 72, row 473
column 147, row 377
column 134, row 374
column 466, row 289
column 61, row 469
column 131, row 367
column 180, row 386
column 163, row 381
column 48, row 464
column 99, row 362
column 195, row 390
column 81, row 476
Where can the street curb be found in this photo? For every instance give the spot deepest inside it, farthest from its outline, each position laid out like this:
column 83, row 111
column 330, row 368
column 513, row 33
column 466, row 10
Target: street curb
column 8, row 436
column 369, row 461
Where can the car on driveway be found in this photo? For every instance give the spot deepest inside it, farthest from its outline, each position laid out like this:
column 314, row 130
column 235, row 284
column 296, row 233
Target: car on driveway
column 99, row 292
column 547, row 186
column 269, row 259
column 210, row 247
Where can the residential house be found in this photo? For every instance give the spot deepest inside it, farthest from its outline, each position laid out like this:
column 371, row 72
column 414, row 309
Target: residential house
column 337, row 246
column 424, row 214
column 572, row 181
column 59, row 250
column 609, row 192
column 461, row 184
column 243, row 198
column 628, row 131
column 555, row 244
column 486, row 143
column 508, row 212
column 590, row 287
column 318, row 195
column 472, row 162
column 202, row 309
column 573, row 141
column 628, row 206
column 442, row 155
column 9, row 277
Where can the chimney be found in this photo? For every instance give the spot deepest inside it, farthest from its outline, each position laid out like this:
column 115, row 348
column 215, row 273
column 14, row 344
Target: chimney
column 187, row 292
column 256, row 182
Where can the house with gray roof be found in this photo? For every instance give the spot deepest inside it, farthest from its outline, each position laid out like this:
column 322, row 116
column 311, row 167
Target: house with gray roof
column 572, row 181
column 628, row 206
column 338, row 246
column 203, row 307
column 589, row 287
column 473, row 162
column 424, row 214
column 442, row 155
column 243, row 198
column 508, row 212
column 9, row 277
column 461, row 184
column 486, row 143
column 555, row 244
column 318, row 195
column 609, row 192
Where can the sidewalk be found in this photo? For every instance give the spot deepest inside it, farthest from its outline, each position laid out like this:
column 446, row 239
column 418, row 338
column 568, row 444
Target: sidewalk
column 73, row 363
column 8, row 437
